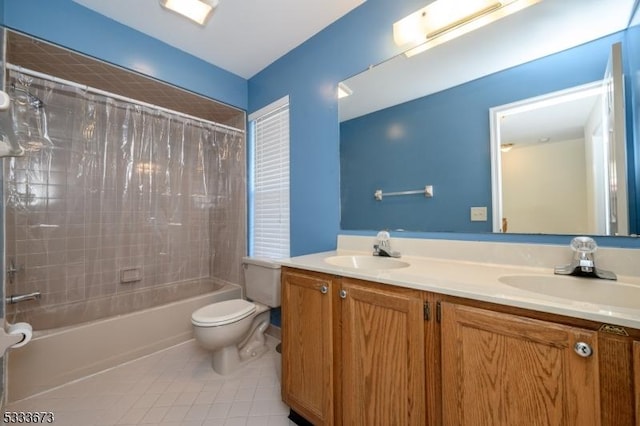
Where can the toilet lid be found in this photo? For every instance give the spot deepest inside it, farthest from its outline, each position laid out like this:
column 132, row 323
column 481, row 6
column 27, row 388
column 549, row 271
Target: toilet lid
column 221, row 313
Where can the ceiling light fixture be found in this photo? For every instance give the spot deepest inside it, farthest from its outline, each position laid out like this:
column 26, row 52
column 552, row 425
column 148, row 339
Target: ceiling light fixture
column 506, row 147
column 196, row 10
column 444, row 20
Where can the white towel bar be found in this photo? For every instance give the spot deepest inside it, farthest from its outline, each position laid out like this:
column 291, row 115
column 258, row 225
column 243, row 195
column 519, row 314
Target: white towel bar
column 427, row 191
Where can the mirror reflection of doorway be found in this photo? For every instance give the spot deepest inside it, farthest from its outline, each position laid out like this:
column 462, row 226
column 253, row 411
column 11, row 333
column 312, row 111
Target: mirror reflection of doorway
column 558, row 169
column 547, row 158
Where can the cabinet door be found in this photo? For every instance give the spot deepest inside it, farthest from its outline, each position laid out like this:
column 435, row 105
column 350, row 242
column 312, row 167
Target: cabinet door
column 383, row 357
column 307, row 346
column 501, row 369
column 636, row 378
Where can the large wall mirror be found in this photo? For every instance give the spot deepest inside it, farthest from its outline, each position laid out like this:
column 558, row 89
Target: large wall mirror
column 434, row 120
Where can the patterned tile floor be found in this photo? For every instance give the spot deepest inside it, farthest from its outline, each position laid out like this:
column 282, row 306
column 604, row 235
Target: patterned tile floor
column 172, row 387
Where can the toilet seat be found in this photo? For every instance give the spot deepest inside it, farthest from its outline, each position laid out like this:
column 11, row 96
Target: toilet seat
column 221, row 313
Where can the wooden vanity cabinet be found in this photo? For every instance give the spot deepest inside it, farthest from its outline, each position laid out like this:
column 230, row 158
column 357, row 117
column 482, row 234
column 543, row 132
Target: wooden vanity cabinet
column 526, row 359
column 353, row 355
column 502, row 369
column 363, row 353
column 308, row 301
column 636, row 379
column 617, row 369
column 383, row 358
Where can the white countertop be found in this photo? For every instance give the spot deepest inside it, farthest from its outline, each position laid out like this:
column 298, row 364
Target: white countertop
column 479, row 281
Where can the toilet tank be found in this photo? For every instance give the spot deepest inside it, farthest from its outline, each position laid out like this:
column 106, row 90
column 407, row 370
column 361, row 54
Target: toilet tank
column 262, row 280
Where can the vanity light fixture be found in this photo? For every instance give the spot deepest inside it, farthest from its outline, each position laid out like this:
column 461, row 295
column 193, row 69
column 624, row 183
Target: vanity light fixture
column 444, row 20
column 196, row 10
column 344, row 91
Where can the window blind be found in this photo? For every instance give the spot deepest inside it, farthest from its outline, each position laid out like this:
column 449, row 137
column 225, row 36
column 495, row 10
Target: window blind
column 270, row 189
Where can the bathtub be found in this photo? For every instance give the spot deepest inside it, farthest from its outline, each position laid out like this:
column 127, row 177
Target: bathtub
column 60, row 355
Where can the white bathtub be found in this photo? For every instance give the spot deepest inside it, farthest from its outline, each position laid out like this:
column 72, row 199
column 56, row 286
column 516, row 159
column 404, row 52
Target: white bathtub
column 58, row 356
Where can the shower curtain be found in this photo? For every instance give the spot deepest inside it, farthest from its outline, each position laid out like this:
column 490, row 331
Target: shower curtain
column 113, row 196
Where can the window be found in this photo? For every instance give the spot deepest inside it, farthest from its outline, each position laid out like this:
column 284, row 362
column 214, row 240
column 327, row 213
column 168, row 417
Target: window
column 269, row 181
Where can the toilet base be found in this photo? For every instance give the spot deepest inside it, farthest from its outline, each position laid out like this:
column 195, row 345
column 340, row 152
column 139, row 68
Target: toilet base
column 229, row 359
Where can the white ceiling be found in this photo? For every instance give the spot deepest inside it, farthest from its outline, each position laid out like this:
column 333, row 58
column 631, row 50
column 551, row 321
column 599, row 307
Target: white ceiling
column 242, row 36
column 564, row 121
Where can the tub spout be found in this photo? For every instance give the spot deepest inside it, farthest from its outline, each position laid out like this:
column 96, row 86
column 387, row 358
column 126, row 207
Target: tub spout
column 17, row 298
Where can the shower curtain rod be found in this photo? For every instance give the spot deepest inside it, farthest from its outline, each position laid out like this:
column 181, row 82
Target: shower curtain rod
column 96, row 91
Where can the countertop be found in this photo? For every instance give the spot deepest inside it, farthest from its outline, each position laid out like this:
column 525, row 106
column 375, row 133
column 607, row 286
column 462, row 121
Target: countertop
column 481, row 281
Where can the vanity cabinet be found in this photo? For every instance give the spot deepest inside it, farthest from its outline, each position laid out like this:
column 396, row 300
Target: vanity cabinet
column 352, row 354
column 595, row 390
column 502, row 369
column 383, row 359
column 636, row 378
column 308, row 301
column 363, row 353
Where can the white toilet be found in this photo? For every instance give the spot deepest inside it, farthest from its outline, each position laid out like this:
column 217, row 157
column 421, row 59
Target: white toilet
column 234, row 329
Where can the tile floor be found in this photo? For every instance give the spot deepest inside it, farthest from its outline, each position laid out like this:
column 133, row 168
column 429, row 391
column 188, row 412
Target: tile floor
column 173, row 387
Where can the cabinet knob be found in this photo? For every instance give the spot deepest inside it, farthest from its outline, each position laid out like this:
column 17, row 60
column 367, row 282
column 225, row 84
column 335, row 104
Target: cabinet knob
column 324, row 289
column 343, row 294
column 583, row 349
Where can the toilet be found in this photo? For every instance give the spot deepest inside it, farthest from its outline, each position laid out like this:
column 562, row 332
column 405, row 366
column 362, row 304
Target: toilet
column 233, row 330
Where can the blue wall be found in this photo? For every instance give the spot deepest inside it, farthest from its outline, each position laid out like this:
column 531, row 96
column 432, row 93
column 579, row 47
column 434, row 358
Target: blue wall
column 310, row 74
column 68, row 24
column 445, row 142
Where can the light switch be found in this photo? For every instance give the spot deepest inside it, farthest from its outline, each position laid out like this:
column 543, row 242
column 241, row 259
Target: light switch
column 478, row 214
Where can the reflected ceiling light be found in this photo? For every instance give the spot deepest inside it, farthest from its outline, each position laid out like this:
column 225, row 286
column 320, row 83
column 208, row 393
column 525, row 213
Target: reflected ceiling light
column 444, row 20
column 196, row 10
column 545, row 101
column 506, row 147
column 344, row 91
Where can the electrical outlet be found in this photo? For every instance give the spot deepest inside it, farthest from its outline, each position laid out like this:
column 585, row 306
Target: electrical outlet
column 478, row 214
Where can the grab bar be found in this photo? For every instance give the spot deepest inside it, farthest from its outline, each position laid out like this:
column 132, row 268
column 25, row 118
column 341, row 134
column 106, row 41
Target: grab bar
column 17, row 298
column 427, row 191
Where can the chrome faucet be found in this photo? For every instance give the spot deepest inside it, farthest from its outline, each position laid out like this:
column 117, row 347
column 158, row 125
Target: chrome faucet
column 583, row 263
column 382, row 246
column 17, row 298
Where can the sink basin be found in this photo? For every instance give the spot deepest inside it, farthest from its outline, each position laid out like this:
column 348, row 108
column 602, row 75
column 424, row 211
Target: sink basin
column 601, row 292
column 366, row 262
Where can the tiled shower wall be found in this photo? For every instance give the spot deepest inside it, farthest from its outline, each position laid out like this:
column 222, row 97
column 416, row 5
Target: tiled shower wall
column 113, row 198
